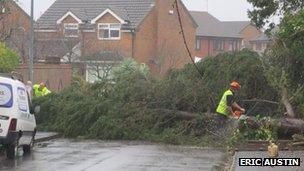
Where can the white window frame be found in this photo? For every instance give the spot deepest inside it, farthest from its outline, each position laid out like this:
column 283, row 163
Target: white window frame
column 220, row 42
column 108, row 27
column 198, row 43
column 65, row 25
column 233, row 45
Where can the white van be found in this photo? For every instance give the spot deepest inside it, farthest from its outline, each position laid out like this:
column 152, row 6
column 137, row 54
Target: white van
column 17, row 123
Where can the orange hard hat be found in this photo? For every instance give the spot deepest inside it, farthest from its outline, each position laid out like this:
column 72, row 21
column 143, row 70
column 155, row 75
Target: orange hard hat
column 235, row 84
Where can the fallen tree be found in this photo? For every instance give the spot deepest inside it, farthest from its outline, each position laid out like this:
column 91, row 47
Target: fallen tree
column 285, row 126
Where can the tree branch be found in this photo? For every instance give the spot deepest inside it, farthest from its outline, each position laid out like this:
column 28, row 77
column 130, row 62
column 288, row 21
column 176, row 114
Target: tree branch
column 262, row 100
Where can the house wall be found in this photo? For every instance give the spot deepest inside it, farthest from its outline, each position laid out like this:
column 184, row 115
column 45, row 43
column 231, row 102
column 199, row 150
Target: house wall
column 170, row 48
column 91, row 44
column 248, row 33
column 259, row 46
column 207, row 46
column 69, row 19
column 145, row 38
column 157, row 41
column 14, row 29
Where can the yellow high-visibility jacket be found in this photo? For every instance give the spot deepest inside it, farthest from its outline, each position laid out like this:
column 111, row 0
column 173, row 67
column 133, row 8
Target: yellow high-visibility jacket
column 223, row 107
column 39, row 93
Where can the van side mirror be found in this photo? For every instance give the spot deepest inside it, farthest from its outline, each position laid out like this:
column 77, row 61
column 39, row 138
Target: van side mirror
column 36, row 109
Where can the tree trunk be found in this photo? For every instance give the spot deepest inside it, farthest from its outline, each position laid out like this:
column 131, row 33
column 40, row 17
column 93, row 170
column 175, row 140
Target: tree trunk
column 290, row 126
column 286, row 126
column 181, row 115
column 290, row 112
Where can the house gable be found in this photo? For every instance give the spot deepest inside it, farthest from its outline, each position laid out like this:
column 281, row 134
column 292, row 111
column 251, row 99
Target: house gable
column 188, row 14
column 249, row 32
column 66, row 15
column 105, row 14
column 107, row 18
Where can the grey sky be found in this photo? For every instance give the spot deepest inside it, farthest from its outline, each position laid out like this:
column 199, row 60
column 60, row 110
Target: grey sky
column 222, row 9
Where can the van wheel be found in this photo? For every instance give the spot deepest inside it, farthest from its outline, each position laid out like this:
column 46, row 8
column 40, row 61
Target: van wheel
column 10, row 151
column 26, row 149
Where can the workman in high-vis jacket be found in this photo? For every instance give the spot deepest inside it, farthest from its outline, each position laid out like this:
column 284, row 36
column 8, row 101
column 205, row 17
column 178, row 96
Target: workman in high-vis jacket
column 40, row 90
column 227, row 106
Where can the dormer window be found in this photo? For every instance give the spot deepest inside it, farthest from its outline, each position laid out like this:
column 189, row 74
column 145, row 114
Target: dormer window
column 109, row 31
column 71, row 30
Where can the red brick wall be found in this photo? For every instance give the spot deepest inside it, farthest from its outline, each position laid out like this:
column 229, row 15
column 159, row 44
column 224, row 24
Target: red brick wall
column 17, row 22
column 145, row 40
column 249, row 33
column 171, row 51
column 207, row 48
column 91, row 43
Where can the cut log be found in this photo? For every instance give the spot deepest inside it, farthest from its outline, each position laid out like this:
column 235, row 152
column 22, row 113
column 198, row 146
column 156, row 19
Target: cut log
column 298, row 144
column 298, row 138
column 290, row 126
column 286, row 126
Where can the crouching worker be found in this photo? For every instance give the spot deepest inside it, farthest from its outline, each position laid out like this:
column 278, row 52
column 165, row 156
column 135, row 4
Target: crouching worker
column 40, row 90
column 227, row 106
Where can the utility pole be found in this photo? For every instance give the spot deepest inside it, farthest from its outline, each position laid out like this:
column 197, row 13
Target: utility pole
column 31, row 49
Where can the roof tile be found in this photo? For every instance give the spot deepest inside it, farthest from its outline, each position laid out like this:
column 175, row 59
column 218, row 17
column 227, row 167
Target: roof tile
column 131, row 10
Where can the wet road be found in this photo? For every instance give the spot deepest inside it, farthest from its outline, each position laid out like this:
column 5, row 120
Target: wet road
column 74, row 155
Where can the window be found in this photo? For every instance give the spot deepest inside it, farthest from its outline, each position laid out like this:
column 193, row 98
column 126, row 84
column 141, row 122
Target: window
column 218, row 45
column 198, row 44
column 232, row 45
column 109, row 31
column 22, row 99
column 71, row 30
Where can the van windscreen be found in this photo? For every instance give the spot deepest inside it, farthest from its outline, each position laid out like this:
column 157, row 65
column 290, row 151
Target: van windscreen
column 6, row 95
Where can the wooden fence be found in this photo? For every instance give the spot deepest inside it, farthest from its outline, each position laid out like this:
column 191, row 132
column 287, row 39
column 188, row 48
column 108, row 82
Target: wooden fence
column 56, row 76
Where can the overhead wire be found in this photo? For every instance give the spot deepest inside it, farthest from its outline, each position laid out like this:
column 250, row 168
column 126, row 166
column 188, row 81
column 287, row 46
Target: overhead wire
column 184, row 38
column 190, row 55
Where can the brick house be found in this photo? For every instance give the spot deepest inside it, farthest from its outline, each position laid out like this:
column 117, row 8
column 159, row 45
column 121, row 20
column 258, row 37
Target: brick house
column 214, row 36
column 260, row 43
column 146, row 30
column 14, row 28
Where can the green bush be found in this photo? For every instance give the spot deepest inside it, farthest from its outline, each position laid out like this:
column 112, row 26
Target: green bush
column 9, row 59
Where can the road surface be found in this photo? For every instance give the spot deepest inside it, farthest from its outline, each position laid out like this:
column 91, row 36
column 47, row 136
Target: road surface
column 72, row 155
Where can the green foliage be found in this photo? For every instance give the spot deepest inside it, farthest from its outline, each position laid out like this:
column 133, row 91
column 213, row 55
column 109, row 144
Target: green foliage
column 8, row 59
column 218, row 72
column 283, row 62
column 126, row 109
column 129, row 66
column 265, row 131
column 265, row 9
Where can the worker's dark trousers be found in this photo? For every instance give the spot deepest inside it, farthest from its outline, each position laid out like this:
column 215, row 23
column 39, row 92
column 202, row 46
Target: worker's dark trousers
column 221, row 120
